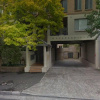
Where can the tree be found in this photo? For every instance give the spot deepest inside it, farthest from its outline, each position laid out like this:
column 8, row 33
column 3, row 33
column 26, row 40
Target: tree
column 94, row 20
column 25, row 22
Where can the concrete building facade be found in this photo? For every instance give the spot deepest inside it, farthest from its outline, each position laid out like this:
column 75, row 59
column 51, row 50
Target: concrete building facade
column 75, row 23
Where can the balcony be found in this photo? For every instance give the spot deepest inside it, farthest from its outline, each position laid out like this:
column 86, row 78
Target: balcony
column 63, row 31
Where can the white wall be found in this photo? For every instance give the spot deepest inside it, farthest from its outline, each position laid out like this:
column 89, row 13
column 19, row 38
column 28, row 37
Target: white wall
column 97, row 53
column 34, row 60
column 48, row 58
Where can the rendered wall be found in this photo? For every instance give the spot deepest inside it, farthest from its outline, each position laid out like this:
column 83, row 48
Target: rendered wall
column 48, row 57
column 88, row 53
column 97, row 53
column 52, row 56
column 32, row 61
column 91, row 51
column 62, row 53
column 71, row 26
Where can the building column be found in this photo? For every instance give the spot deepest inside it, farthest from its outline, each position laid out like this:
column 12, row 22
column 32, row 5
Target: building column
column 45, row 57
column 97, row 53
column 27, row 68
column 45, row 68
column 50, row 57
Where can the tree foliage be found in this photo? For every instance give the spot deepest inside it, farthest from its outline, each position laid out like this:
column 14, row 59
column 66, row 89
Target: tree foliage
column 94, row 20
column 25, row 22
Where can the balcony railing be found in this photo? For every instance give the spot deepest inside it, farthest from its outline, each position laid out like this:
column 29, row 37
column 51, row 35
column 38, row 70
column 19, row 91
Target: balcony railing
column 63, row 31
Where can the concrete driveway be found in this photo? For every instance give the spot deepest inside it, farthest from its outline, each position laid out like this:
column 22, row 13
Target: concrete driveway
column 71, row 79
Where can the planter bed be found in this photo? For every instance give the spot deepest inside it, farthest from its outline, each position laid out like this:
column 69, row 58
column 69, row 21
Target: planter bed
column 12, row 68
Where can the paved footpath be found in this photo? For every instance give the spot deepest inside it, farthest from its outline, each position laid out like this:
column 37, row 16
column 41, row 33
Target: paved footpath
column 76, row 82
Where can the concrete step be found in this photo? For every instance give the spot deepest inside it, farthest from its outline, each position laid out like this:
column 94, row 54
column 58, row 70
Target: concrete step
column 36, row 67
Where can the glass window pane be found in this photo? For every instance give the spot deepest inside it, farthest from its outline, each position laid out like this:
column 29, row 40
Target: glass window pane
column 65, row 5
column 88, row 4
column 76, row 25
column 77, row 4
column 82, row 24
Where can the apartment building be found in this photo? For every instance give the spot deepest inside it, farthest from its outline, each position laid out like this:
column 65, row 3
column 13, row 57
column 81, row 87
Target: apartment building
column 75, row 23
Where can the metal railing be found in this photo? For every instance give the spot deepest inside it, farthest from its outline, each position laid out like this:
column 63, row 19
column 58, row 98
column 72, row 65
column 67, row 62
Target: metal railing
column 63, row 31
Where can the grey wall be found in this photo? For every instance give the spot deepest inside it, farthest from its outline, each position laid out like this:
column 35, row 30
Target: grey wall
column 88, row 51
column 52, row 56
column 91, row 51
column 71, row 25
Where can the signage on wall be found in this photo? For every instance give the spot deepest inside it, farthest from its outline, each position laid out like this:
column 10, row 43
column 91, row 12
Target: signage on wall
column 57, row 38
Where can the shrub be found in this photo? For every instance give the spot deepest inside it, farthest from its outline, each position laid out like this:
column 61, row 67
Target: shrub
column 10, row 55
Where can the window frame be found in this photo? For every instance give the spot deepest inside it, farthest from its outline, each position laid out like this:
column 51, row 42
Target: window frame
column 78, row 25
column 65, row 10
column 76, row 4
column 88, row 6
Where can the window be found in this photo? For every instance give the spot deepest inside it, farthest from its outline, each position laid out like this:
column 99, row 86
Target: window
column 78, row 4
column 88, row 4
column 64, row 5
column 81, row 24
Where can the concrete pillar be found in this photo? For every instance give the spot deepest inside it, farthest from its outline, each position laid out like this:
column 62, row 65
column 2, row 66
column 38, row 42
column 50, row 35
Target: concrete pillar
column 27, row 68
column 97, row 53
column 45, row 57
column 44, row 69
column 50, row 57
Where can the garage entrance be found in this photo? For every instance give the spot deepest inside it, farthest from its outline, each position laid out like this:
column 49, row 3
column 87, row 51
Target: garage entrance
column 69, row 53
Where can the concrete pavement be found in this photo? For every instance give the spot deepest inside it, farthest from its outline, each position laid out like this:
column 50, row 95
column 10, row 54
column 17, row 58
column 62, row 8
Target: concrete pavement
column 18, row 81
column 66, row 80
column 77, row 82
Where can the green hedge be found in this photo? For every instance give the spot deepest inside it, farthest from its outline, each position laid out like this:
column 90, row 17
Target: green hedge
column 10, row 55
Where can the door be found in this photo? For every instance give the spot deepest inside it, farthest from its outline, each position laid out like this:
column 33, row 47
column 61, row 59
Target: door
column 39, row 55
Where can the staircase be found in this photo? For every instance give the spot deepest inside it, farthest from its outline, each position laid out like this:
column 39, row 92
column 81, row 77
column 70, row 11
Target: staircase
column 36, row 67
